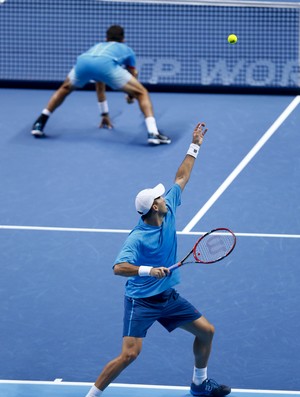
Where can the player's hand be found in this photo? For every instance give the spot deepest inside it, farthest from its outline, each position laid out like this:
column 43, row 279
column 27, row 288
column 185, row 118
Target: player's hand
column 198, row 133
column 159, row 272
column 130, row 99
column 105, row 122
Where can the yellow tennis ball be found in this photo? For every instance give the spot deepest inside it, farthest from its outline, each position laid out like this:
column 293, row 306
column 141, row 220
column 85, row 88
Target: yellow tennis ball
column 232, row 39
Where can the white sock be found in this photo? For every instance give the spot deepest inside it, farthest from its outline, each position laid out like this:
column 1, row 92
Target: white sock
column 94, row 392
column 151, row 125
column 199, row 375
column 46, row 112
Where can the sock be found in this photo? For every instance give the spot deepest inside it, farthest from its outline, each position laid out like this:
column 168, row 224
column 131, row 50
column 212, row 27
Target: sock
column 151, row 125
column 94, row 392
column 46, row 112
column 199, row 375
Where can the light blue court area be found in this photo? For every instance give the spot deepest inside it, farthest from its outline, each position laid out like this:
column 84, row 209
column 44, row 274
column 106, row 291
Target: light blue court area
column 65, row 389
column 67, row 205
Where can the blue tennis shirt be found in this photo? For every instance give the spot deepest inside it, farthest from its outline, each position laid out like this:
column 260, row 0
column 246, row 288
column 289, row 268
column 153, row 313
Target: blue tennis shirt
column 120, row 53
column 154, row 246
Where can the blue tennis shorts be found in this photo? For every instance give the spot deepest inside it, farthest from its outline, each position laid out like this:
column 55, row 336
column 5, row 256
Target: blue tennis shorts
column 168, row 308
column 89, row 68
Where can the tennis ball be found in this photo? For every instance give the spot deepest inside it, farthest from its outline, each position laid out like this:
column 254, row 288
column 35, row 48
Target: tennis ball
column 232, row 39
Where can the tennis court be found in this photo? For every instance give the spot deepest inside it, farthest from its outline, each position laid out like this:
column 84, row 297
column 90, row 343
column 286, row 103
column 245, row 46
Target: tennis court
column 67, row 201
column 49, row 389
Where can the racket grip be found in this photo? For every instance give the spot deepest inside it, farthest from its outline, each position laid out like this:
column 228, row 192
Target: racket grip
column 175, row 266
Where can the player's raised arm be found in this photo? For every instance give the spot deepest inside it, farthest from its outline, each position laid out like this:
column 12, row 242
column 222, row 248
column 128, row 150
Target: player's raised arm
column 184, row 171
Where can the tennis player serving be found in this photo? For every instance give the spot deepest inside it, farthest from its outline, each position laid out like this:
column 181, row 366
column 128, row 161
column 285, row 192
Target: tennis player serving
column 148, row 252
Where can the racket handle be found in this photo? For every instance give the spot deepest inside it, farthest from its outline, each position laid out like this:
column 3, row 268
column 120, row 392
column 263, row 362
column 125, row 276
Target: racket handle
column 175, row 266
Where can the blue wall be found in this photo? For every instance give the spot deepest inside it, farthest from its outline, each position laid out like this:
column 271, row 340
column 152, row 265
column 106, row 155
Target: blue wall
column 175, row 44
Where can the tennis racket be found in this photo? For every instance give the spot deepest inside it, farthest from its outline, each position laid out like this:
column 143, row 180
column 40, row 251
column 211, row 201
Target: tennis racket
column 210, row 248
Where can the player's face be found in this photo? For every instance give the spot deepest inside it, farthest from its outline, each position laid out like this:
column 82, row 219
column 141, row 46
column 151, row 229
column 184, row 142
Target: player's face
column 161, row 204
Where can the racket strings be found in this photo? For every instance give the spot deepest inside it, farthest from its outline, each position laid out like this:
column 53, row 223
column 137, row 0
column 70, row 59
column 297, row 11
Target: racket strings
column 214, row 247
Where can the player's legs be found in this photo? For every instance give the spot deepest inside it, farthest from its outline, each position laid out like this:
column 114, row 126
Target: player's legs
column 55, row 101
column 201, row 385
column 203, row 332
column 59, row 96
column 135, row 89
column 138, row 91
column 130, row 350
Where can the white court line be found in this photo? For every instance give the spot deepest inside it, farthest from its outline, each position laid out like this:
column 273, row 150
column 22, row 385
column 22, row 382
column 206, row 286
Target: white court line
column 63, row 229
column 138, row 386
column 207, row 205
column 269, row 235
column 243, row 164
column 127, row 231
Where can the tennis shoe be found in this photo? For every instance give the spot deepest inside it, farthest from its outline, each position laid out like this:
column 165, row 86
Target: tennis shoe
column 157, row 139
column 210, row 388
column 37, row 130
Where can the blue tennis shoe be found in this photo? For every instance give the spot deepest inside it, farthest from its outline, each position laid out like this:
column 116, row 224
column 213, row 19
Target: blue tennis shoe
column 157, row 139
column 210, row 388
column 37, row 130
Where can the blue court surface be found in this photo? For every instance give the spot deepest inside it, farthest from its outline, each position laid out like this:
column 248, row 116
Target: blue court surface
column 67, row 204
column 48, row 389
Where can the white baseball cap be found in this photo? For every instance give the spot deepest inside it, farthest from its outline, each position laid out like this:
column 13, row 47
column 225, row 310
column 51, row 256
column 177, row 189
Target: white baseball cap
column 145, row 198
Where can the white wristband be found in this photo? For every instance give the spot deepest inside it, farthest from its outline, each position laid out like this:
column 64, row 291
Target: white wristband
column 103, row 106
column 144, row 271
column 193, row 150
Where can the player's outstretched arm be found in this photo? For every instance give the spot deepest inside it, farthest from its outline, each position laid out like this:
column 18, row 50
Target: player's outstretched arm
column 126, row 269
column 130, row 98
column 184, row 171
column 103, row 106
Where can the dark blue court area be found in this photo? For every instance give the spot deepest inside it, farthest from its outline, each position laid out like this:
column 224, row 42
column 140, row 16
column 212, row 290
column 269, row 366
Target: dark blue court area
column 67, row 204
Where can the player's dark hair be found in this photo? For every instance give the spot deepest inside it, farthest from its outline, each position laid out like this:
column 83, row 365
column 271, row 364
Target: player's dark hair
column 115, row 33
